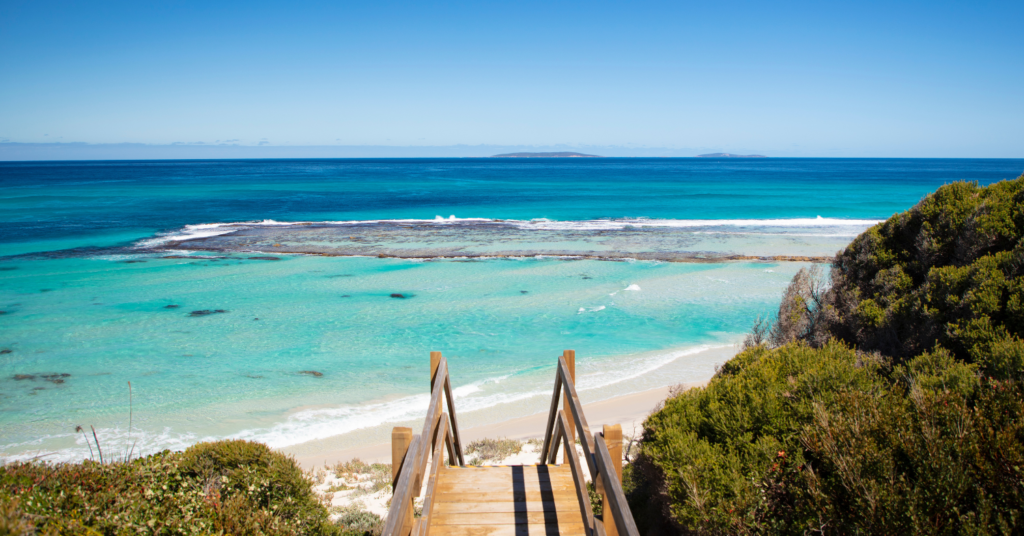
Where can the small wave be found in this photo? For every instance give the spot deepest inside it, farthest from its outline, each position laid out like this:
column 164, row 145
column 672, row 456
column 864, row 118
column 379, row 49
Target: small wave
column 590, row 310
column 634, row 287
column 189, row 232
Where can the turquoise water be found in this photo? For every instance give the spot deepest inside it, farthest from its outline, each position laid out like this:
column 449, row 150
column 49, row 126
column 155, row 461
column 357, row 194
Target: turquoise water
column 92, row 301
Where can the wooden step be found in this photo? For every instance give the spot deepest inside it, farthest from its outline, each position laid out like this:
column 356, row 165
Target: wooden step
column 506, row 500
column 509, row 530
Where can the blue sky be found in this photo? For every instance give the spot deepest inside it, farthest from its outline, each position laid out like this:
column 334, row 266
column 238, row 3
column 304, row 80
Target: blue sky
column 796, row 79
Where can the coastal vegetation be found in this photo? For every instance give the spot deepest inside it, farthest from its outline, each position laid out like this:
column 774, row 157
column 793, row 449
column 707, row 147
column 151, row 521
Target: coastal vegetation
column 884, row 397
column 223, row 487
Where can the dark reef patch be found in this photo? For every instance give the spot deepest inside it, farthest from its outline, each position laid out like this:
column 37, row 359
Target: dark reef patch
column 205, row 312
column 171, row 306
column 313, row 373
column 6, row 351
column 264, row 258
column 401, row 296
column 134, row 261
column 524, row 291
column 20, row 377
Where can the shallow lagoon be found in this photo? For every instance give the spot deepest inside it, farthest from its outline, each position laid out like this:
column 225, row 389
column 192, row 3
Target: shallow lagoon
column 500, row 322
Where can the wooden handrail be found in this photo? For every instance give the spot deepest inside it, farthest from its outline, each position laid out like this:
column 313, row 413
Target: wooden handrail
column 613, row 490
column 402, row 500
column 595, row 451
column 561, row 426
column 423, row 526
column 440, row 429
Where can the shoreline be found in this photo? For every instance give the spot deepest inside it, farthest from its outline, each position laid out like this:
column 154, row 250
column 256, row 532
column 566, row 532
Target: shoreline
column 629, row 411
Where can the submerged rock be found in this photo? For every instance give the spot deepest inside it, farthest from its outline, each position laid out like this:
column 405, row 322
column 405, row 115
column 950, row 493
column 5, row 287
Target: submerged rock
column 312, row 373
column 204, row 312
column 264, row 258
column 400, row 296
column 20, row 377
column 171, row 306
column 132, row 261
column 6, row 351
column 524, row 291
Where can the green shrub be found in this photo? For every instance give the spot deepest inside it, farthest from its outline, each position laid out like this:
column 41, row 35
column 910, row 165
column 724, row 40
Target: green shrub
column 226, row 487
column 356, row 521
column 797, row 439
column 918, row 430
column 949, row 271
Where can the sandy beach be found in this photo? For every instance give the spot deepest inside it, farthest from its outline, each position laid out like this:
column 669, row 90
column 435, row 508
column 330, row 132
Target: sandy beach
column 629, row 411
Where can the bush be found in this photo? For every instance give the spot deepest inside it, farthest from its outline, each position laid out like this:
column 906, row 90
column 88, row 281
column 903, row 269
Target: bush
column 917, row 430
column 797, row 440
column 950, row 271
column 225, row 487
column 493, row 449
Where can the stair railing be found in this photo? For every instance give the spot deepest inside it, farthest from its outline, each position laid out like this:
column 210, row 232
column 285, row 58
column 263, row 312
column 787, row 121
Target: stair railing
column 595, row 450
column 411, row 452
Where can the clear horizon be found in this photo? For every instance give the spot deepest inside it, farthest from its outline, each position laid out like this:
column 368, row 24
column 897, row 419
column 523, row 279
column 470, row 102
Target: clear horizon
column 911, row 80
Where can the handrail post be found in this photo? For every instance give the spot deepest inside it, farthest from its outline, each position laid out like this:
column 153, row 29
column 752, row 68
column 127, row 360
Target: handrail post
column 401, row 437
column 570, row 362
column 613, row 440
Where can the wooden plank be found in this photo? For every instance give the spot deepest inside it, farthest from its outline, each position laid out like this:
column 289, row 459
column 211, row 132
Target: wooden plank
column 527, row 496
column 433, row 413
column 430, row 498
column 506, row 476
column 581, row 421
column 505, row 518
column 577, row 476
column 509, row 506
column 616, row 498
column 509, row 530
column 501, row 487
column 456, row 438
column 558, row 432
column 552, row 416
column 569, row 356
column 612, row 436
column 401, row 501
column 401, row 437
column 496, row 468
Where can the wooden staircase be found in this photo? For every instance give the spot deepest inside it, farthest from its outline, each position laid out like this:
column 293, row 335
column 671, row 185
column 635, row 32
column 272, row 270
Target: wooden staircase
column 514, row 500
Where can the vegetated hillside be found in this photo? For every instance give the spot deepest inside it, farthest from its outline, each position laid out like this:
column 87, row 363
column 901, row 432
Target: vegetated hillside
column 224, row 487
column 886, row 398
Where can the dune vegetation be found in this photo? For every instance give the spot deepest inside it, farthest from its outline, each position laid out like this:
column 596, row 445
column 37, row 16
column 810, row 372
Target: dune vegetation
column 884, row 397
column 223, row 487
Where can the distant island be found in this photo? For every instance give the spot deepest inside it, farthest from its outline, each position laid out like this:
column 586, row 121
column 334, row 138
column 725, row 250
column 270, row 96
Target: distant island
column 730, row 155
column 546, row 155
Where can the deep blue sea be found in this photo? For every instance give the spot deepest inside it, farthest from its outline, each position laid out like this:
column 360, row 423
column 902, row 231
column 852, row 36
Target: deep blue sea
column 97, row 289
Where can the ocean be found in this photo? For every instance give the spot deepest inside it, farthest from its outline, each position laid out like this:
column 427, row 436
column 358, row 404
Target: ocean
column 295, row 301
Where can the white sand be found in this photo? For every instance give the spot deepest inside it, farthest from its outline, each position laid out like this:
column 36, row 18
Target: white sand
column 629, row 411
